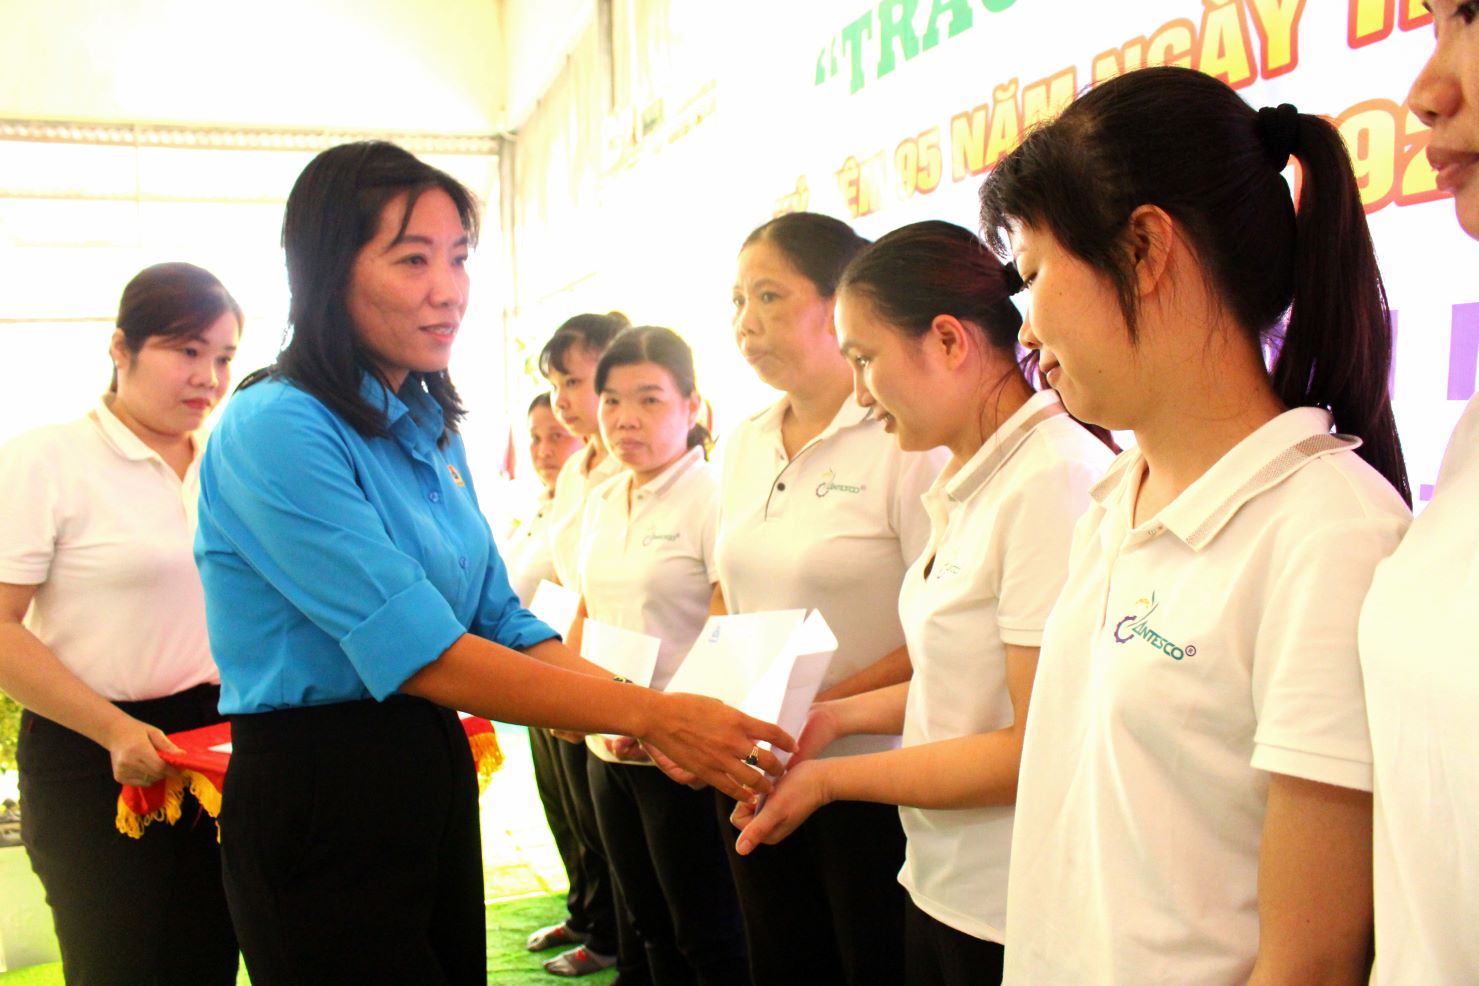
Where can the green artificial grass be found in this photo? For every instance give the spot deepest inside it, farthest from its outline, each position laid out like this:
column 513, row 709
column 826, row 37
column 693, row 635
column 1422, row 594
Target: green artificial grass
column 509, row 963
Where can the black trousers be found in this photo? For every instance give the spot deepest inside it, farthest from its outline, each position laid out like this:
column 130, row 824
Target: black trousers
column 350, row 846
column 611, row 930
column 824, row 906
column 939, row 955
column 664, row 849
column 131, row 912
column 589, row 900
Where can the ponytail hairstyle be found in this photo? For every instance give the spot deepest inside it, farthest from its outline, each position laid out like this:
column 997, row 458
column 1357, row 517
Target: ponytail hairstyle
column 1188, row 144
column 665, row 348
column 934, row 268
column 172, row 300
column 332, row 212
column 818, row 246
column 590, row 332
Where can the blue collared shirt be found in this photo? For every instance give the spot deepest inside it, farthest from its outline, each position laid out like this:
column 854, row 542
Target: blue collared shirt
column 336, row 566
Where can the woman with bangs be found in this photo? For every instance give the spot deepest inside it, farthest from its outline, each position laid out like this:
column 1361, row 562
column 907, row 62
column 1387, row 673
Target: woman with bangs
column 355, row 601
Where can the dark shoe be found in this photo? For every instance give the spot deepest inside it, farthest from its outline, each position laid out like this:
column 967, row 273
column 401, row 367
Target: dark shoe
column 579, row 962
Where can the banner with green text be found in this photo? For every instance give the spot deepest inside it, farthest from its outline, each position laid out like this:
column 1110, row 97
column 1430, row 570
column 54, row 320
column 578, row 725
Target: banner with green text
column 889, row 112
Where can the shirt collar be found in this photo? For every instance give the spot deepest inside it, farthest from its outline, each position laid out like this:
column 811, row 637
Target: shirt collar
column 851, row 413
column 659, row 485
column 999, row 447
column 409, row 412
column 122, row 440
column 1259, row 462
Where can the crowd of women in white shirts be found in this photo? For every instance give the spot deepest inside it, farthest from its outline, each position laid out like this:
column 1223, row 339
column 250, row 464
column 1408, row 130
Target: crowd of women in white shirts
column 1190, row 713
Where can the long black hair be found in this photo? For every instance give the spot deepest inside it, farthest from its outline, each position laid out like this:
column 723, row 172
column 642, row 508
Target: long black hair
column 332, row 212
column 1187, row 143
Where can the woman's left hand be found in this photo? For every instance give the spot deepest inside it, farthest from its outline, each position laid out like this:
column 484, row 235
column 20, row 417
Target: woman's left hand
column 796, row 796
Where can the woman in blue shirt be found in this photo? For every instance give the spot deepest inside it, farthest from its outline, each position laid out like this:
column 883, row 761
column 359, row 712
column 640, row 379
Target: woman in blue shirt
column 354, row 598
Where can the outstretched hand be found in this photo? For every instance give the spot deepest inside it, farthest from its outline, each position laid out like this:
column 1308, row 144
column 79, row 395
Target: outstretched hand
column 796, row 796
column 133, row 747
column 710, row 741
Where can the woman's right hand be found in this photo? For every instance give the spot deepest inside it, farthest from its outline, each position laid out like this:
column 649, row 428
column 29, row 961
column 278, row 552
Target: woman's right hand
column 711, row 740
column 796, row 797
column 133, row 747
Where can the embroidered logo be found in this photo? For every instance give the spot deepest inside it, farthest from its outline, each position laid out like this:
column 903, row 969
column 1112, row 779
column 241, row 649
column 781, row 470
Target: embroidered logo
column 648, row 539
column 944, row 569
column 829, row 484
column 456, row 476
column 1137, row 624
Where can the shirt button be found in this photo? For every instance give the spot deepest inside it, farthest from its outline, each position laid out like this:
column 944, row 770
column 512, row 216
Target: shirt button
column 780, row 486
column 462, row 561
column 434, row 496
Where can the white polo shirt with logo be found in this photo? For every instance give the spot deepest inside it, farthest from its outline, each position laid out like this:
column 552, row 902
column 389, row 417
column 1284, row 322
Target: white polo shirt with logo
column 831, row 529
column 105, row 529
column 1000, row 530
column 1420, row 656
column 651, row 569
column 572, row 487
column 1187, row 658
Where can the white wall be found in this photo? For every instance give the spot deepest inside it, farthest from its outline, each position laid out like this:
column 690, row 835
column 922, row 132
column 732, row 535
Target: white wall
column 540, row 33
column 373, row 64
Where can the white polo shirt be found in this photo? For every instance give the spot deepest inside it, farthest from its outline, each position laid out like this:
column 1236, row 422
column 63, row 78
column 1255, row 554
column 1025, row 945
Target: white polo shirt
column 1000, row 529
column 1187, row 658
column 572, row 486
column 1420, row 656
column 526, row 551
column 105, row 529
column 651, row 569
column 831, row 529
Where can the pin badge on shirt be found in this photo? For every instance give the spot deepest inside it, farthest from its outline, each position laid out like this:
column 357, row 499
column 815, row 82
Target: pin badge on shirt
column 456, row 476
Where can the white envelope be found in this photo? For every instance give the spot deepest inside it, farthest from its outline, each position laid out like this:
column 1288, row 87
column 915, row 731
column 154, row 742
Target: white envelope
column 555, row 605
column 769, row 665
column 625, row 652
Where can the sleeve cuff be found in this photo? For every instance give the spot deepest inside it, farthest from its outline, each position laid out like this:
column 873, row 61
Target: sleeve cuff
column 1322, row 769
column 24, row 574
column 404, row 635
column 1020, row 637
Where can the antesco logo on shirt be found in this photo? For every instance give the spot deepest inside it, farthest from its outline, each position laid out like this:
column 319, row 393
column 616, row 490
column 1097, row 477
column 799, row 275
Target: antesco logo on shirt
column 1137, row 624
column 647, row 540
column 827, row 485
